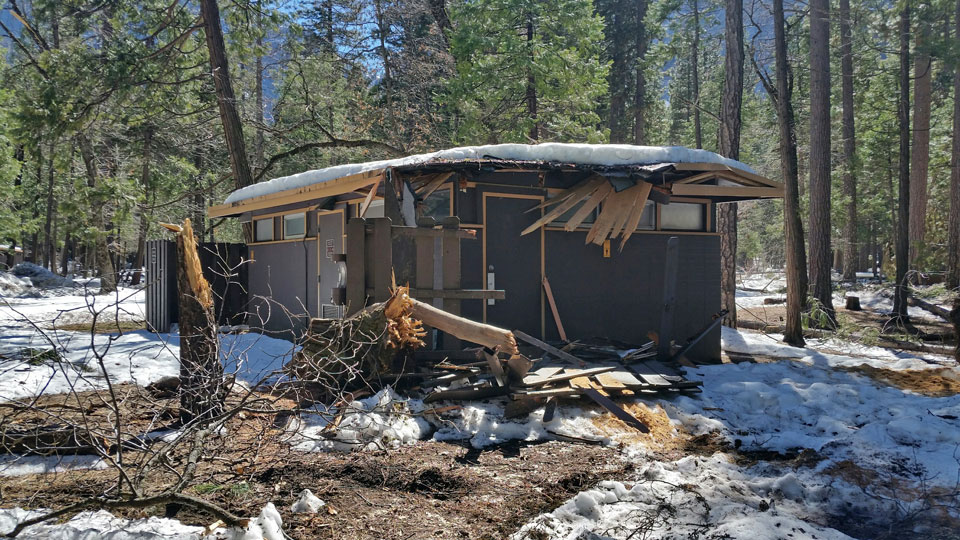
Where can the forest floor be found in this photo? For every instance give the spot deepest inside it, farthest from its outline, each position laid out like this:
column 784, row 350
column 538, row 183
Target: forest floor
column 840, row 439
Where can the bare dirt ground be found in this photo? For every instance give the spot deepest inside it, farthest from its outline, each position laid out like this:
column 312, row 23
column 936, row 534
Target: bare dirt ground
column 427, row 490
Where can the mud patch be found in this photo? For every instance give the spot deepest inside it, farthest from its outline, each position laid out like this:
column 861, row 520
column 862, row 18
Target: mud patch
column 430, row 481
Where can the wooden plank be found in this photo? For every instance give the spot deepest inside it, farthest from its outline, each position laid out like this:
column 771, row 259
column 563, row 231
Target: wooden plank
column 592, row 203
column 424, row 276
column 548, row 348
column 701, row 190
column 668, row 372
column 635, row 193
column 565, row 376
column 605, row 402
column 576, row 195
column 451, row 278
column 668, row 306
column 626, row 378
column 426, row 190
column 495, row 367
column 549, row 409
column 383, row 259
column 356, row 265
column 613, row 205
column 369, row 198
column 721, row 167
column 636, row 213
column 649, row 375
column 552, row 392
column 609, row 382
column 582, row 189
column 431, row 232
column 553, row 308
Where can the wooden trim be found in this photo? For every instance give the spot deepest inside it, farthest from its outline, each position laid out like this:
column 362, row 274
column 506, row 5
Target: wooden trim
column 287, row 241
column 699, row 190
column 337, row 186
column 283, row 226
column 285, row 212
column 483, row 248
column 721, row 167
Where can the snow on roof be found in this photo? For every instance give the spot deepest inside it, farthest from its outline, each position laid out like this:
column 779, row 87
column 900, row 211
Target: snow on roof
column 581, row 154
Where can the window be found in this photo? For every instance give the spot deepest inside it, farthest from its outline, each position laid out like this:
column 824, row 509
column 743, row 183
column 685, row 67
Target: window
column 682, row 217
column 437, row 205
column 263, row 230
column 648, row 219
column 294, row 226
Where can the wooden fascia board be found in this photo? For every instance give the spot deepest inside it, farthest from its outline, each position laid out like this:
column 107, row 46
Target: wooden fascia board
column 746, row 192
column 721, row 167
column 337, row 186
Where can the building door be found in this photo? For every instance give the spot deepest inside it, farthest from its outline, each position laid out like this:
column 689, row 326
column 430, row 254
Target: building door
column 515, row 262
column 330, row 241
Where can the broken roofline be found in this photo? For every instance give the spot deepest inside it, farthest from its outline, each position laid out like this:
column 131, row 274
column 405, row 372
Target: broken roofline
column 721, row 182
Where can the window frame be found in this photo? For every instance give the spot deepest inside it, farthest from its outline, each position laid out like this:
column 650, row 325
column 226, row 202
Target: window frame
column 273, row 231
column 286, row 217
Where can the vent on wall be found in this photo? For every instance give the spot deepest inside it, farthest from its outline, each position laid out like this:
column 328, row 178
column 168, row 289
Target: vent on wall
column 331, row 311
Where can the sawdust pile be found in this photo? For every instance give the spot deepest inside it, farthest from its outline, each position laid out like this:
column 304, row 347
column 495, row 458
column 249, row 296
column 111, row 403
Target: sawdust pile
column 663, row 434
column 941, row 382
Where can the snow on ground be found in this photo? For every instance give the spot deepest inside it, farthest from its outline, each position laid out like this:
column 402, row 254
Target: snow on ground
column 801, row 402
column 102, row 524
column 586, row 154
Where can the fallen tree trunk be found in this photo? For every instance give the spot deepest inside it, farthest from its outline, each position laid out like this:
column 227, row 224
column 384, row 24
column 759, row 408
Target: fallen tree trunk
column 887, row 341
column 465, row 329
column 931, row 308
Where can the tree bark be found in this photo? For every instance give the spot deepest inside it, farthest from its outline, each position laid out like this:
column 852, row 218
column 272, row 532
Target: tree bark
column 202, row 389
column 695, row 69
column 796, row 256
column 730, row 147
column 531, row 91
column 920, row 154
column 953, row 229
column 903, row 208
column 108, row 274
column 227, row 102
column 617, row 78
column 850, row 252
column 820, row 254
column 640, row 96
column 144, row 227
column 49, row 243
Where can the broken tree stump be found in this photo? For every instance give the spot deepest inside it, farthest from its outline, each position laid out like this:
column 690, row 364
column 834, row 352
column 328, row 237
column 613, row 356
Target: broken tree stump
column 853, row 303
column 465, row 329
column 202, row 385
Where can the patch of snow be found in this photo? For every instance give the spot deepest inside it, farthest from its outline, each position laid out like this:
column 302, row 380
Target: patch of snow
column 384, row 420
column 806, row 403
column 307, row 503
column 585, row 154
column 14, row 465
column 99, row 524
column 703, row 497
column 853, row 354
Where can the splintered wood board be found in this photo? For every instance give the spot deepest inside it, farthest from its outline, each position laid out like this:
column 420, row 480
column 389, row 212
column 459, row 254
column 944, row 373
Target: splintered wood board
column 583, row 381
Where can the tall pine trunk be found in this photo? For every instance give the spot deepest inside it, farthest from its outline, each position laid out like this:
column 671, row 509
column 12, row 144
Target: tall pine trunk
column 851, row 257
column 730, row 147
column 953, row 232
column 920, row 154
column 902, row 250
column 531, row 91
column 226, row 101
column 695, row 69
column 49, row 242
column 796, row 255
column 820, row 255
column 640, row 96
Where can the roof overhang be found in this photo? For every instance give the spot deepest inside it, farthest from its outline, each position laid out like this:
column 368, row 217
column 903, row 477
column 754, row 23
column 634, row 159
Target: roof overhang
column 714, row 181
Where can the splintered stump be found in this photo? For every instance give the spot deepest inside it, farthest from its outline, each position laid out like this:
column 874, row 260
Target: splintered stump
column 202, row 389
column 853, row 303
